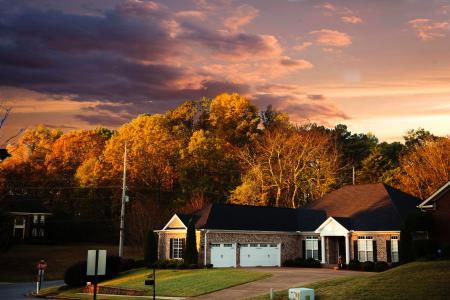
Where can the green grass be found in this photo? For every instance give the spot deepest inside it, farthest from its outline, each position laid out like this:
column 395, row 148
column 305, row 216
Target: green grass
column 185, row 283
column 418, row 280
column 19, row 263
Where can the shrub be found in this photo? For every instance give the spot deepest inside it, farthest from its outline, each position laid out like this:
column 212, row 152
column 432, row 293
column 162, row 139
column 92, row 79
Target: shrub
column 312, row 263
column 368, row 266
column 288, row 263
column 193, row 266
column 302, row 263
column 112, row 266
column 150, row 249
column 354, row 265
column 209, row 266
column 75, row 275
column 190, row 252
column 127, row 264
column 445, row 251
column 6, row 227
column 381, row 266
column 139, row 263
column 423, row 249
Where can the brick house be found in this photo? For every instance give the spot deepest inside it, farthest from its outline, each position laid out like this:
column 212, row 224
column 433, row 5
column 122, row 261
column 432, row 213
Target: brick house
column 438, row 205
column 355, row 222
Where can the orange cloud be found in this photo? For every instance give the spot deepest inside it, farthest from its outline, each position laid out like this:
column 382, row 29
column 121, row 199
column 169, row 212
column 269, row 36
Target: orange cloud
column 302, row 46
column 328, row 37
column 243, row 15
column 351, row 19
column 427, row 29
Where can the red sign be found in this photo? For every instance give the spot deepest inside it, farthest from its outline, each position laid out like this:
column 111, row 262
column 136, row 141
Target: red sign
column 42, row 265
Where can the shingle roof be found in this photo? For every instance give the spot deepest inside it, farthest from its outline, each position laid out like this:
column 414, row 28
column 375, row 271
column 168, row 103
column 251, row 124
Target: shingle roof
column 371, row 207
column 367, row 207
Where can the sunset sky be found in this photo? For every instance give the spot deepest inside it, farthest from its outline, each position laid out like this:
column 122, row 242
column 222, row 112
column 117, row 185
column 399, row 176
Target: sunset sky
column 377, row 66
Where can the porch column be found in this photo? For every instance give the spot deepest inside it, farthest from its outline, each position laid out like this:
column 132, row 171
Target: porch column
column 347, row 249
column 322, row 238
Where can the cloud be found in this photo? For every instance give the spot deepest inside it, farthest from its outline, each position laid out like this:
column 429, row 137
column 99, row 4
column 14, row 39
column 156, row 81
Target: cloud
column 315, row 97
column 351, row 19
column 296, row 63
column 242, row 15
column 302, row 46
column 334, row 38
column 427, row 29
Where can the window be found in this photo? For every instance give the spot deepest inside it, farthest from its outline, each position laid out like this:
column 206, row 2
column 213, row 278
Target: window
column 34, row 232
column 35, row 218
column 365, row 248
column 177, row 248
column 42, row 219
column 312, row 247
column 41, row 232
column 228, row 245
column 263, row 245
column 394, row 249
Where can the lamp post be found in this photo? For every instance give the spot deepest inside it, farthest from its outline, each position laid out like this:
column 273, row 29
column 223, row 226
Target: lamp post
column 124, row 196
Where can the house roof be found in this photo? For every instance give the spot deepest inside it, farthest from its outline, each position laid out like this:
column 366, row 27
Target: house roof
column 23, row 204
column 436, row 195
column 367, row 207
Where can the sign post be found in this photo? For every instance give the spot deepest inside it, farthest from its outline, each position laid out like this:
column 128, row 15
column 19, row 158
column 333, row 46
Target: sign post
column 152, row 282
column 41, row 267
column 96, row 265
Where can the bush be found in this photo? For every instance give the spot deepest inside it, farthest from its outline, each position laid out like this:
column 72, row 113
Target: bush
column 190, row 252
column 150, row 249
column 127, row 264
column 75, row 275
column 381, row 266
column 368, row 266
column 139, row 263
column 445, row 251
column 6, row 227
column 423, row 249
column 288, row 263
column 302, row 263
column 209, row 266
column 354, row 265
column 312, row 263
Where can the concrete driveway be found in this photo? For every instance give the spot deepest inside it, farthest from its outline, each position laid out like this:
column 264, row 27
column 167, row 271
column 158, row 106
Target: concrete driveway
column 282, row 278
column 17, row 291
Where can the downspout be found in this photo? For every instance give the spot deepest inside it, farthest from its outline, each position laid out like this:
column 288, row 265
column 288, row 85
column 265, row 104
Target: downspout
column 205, row 247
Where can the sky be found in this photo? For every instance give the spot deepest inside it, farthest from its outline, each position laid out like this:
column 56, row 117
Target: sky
column 378, row 66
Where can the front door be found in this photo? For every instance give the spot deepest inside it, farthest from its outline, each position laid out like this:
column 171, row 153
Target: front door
column 341, row 248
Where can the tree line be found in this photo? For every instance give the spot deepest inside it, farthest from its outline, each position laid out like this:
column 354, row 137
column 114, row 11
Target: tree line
column 212, row 150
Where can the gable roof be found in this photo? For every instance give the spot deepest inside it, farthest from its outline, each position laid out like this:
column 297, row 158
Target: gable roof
column 367, row 207
column 430, row 201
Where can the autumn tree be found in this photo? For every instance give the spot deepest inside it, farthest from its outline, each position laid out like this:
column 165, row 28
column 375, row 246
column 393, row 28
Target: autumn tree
column 373, row 167
column 287, row 167
column 425, row 167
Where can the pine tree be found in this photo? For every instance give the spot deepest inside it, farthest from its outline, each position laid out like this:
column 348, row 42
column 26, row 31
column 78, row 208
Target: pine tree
column 191, row 253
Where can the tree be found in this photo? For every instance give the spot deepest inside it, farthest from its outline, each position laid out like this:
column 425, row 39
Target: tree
column 271, row 118
column 191, row 253
column 288, row 167
column 425, row 167
column 418, row 136
column 6, row 229
column 150, row 249
column 234, row 119
column 374, row 167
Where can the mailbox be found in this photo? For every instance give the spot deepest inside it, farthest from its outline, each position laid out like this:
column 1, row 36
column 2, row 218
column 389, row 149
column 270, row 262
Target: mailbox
column 150, row 282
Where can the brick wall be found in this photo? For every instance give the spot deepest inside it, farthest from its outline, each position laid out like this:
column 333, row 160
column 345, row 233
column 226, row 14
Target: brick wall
column 290, row 243
column 380, row 239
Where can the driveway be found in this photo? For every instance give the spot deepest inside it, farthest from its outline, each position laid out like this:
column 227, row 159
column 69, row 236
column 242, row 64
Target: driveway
column 17, row 291
column 282, row 278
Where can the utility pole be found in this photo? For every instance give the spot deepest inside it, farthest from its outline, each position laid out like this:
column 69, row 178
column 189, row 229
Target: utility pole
column 353, row 175
column 122, row 210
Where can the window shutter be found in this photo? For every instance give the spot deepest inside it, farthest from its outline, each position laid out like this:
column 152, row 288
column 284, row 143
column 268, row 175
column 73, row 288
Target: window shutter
column 319, row 247
column 304, row 248
column 171, row 249
column 374, row 243
column 388, row 251
column 355, row 249
column 183, row 246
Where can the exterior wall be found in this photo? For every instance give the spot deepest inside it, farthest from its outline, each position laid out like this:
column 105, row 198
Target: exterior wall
column 164, row 241
column 441, row 217
column 290, row 243
column 380, row 239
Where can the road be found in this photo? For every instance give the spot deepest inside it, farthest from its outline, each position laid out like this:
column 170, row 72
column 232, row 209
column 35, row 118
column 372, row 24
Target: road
column 17, row 291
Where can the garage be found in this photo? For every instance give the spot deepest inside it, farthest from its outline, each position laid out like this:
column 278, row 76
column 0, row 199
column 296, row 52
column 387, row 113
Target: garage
column 260, row 255
column 223, row 255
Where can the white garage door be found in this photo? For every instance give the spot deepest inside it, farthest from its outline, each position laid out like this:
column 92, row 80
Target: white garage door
column 264, row 255
column 223, row 255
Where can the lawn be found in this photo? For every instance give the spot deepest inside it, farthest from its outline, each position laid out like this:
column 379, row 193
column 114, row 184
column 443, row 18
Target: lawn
column 186, row 282
column 177, row 283
column 418, row 280
column 19, row 263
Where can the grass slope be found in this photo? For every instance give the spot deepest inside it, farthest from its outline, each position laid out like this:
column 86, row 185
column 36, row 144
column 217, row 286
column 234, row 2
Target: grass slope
column 418, row 280
column 19, row 263
column 185, row 283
